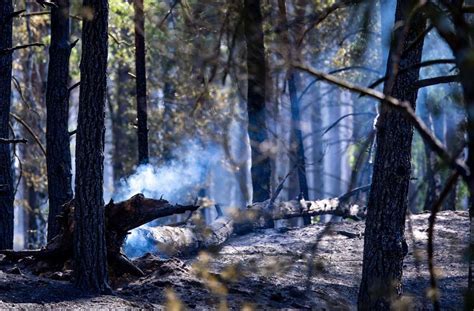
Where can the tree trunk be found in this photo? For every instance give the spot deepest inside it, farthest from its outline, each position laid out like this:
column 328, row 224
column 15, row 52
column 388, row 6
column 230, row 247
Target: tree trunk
column 431, row 178
column 140, row 71
column 57, row 104
column 123, row 142
column 261, row 172
column 6, row 178
column 90, row 253
column 296, row 140
column 384, row 245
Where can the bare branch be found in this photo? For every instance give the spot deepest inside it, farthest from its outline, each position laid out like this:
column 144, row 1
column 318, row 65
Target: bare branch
column 19, row 47
column 39, row 13
column 175, row 3
column 45, row 3
column 437, row 80
column 72, row 87
column 16, row 14
column 404, row 107
column 13, row 141
column 32, row 133
column 346, row 116
column 434, row 210
column 416, row 66
column 319, row 17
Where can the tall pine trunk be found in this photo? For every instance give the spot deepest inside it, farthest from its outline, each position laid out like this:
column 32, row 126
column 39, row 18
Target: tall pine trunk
column 384, row 245
column 297, row 157
column 57, row 104
column 90, row 252
column 140, row 71
column 256, row 73
column 6, row 178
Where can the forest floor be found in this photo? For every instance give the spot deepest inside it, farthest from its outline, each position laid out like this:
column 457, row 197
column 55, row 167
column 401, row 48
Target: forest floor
column 267, row 269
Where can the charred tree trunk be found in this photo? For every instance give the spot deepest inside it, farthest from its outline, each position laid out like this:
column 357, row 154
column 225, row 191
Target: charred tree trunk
column 90, row 252
column 432, row 178
column 296, row 139
column 256, row 73
column 384, row 245
column 57, row 104
column 140, row 70
column 6, row 178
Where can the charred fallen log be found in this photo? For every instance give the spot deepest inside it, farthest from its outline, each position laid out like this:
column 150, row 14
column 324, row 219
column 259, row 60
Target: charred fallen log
column 192, row 238
column 120, row 217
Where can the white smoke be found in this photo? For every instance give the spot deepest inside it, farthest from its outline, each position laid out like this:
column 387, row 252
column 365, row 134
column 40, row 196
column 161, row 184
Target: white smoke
column 177, row 181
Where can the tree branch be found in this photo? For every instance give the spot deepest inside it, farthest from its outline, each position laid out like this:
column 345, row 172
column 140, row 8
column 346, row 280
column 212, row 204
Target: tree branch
column 402, row 106
column 436, row 207
column 13, row 141
column 437, row 80
column 416, row 66
column 319, row 17
column 175, row 3
column 19, row 47
column 28, row 128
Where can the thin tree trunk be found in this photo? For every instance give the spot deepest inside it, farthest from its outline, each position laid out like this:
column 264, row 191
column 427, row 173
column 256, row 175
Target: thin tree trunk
column 6, row 178
column 431, row 177
column 140, row 70
column 121, row 140
column 384, row 245
column 57, row 104
column 90, row 252
column 261, row 172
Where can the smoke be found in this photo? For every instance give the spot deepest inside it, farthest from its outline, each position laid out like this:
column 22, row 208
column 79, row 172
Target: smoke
column 178, row 180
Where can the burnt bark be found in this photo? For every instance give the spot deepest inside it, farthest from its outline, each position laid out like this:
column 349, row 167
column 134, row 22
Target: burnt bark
column 90, row 252
column 256, row 73
column 140, row 71
column 58, row 157
column 384, row 244
column 6, row 178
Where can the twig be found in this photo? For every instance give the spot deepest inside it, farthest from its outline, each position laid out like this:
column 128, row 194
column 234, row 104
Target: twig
column 346, row 116
column 322, row 15
column 279, row 188
column 436, row 80
column 175, row 3
column 16, row 14
column 45, row 3
column 436, row 207
column 19, row 47
column 28, row 128
column 72, row 87
column 354, row 192
column 39, row 13
column 416, row 66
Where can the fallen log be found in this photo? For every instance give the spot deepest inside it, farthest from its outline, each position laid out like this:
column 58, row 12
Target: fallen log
column 184, row 241
column 120, row 218
column 168, row 241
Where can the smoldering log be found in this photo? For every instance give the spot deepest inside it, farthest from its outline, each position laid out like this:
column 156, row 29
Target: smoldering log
column 188, row 240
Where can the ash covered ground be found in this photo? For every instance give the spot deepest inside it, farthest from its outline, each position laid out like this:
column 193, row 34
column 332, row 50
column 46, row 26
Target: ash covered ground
column 299, row 268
